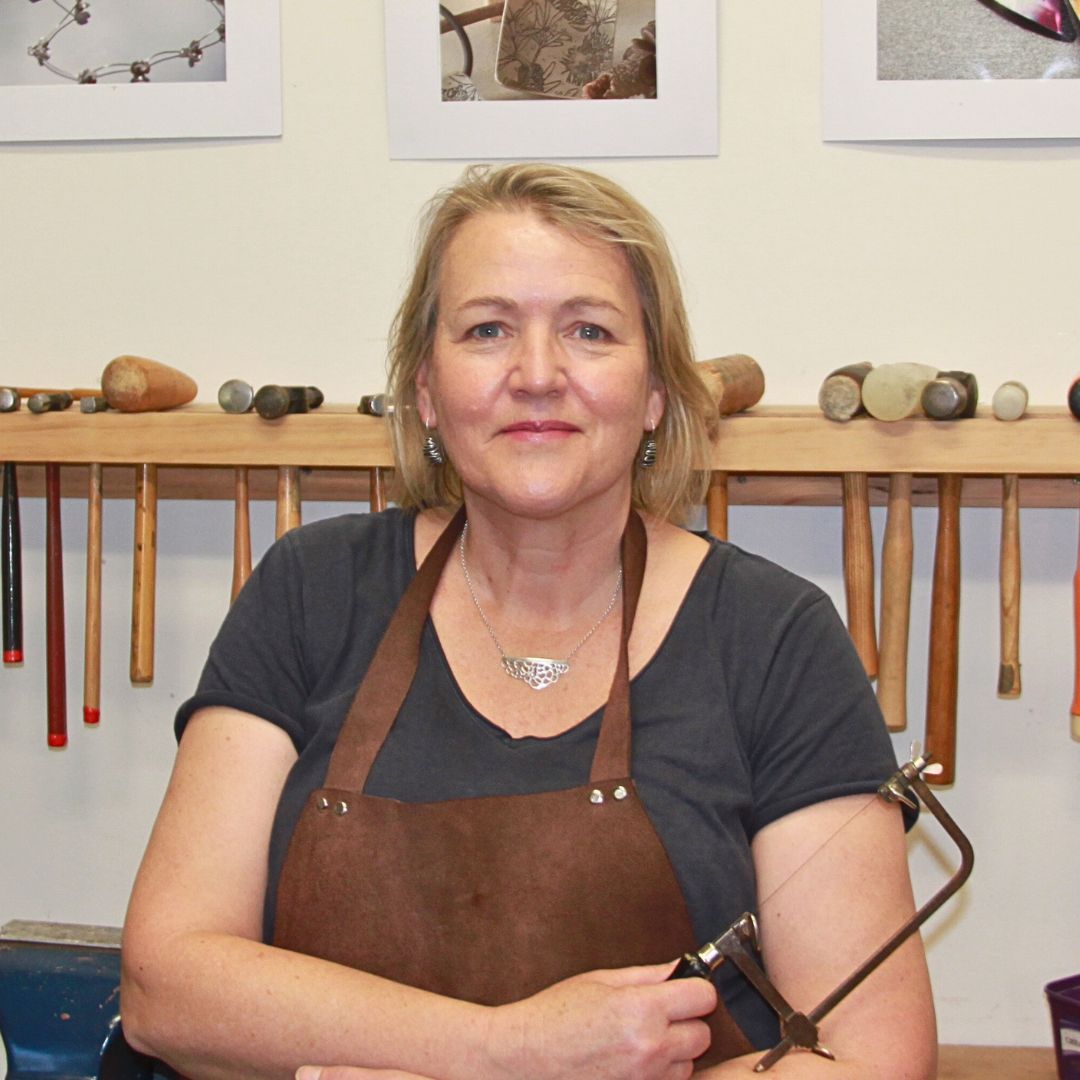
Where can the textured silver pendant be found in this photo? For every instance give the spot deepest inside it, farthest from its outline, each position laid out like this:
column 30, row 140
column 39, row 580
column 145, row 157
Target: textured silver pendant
column 538, row 672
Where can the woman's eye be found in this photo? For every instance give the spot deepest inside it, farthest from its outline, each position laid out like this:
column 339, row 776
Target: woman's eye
column 486, row 330
column 592, row 332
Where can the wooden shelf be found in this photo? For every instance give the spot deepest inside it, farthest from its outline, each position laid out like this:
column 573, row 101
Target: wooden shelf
column 774, row 455
column 996, row 1063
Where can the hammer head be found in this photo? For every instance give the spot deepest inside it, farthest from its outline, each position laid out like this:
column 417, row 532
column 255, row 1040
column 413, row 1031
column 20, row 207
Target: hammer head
column 135, row 384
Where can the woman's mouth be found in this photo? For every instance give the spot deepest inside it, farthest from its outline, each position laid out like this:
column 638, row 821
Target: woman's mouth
column 539, row 430
column 538, row 427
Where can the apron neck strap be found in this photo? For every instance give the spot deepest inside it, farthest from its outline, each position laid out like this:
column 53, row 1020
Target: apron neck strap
column 393, row 667
column 612, row 758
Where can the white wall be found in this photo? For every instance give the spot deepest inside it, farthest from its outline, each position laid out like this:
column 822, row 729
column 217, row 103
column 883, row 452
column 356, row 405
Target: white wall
column 280, row 260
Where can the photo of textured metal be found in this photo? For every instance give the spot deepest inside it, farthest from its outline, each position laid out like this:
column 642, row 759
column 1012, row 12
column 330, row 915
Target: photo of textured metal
column 554, row 47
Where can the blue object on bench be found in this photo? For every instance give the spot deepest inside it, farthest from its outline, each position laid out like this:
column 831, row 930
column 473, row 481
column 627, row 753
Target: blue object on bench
column 60, row 1005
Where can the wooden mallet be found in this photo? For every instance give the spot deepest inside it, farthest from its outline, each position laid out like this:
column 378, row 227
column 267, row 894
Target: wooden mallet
column 736, row 383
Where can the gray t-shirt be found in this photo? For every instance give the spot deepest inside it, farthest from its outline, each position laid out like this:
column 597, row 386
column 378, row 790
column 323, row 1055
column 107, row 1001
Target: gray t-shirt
column 754, row 706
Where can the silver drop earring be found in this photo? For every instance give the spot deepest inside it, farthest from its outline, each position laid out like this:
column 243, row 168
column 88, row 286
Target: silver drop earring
column 431, row 448
column 647, row 459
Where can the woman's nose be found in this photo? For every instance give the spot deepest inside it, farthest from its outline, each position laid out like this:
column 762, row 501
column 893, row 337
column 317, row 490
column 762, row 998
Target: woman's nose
column 538, row 365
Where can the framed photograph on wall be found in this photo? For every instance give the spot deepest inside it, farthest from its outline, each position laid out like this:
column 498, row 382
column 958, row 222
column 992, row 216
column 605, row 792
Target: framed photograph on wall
column 950, row 69
column 551, row 78
column 139, row 69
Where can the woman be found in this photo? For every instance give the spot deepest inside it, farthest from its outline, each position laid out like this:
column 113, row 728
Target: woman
column 469, row 868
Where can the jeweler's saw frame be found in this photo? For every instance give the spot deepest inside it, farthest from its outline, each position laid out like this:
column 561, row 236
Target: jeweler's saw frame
column 739, row 942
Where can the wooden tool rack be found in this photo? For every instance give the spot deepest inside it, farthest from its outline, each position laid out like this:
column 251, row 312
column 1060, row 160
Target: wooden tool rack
column 772, row 455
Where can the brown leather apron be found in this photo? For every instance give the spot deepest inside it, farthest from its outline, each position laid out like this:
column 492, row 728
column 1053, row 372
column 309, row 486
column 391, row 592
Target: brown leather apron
column 485, row 899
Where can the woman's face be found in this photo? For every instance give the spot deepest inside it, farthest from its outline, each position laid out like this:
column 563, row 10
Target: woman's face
column 538, row 381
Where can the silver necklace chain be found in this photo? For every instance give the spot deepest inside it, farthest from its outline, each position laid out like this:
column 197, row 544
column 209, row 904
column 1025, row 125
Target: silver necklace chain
column 538, row 672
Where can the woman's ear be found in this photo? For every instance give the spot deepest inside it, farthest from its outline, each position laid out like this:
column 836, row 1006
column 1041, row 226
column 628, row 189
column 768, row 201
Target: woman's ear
column 654, row 406
column 424, row 406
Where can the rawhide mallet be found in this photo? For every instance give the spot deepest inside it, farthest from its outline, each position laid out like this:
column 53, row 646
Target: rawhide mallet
column 134, row 384
column 736, row 383
column 840, row 396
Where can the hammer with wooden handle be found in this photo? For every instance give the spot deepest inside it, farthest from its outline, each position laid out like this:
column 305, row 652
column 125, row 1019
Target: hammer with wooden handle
column 840, row 398
column 858, row 546
column 1009, row 403
column 12, row 567
column 238, row 396
column 55, row 650
column 288, row 500
column 134, row 384
column 241, row 531
column 736, row 383
column 896, row 561
column 92, row 636
column 942, row 683
column 952, row 395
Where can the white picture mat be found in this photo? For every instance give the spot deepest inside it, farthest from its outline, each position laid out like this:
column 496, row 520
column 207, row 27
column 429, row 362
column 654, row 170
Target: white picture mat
column 248, row 102
column 859, row 106
column 681, row 121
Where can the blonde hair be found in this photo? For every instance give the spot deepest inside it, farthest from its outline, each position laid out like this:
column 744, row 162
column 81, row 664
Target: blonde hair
column 589, row 205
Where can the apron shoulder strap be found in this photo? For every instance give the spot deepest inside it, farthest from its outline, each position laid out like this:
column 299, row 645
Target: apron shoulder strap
column 391, row 671
column 612, row 758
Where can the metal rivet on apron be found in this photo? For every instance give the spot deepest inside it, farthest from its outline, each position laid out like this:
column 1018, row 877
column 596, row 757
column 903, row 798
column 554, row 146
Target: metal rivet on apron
column 322, row 803
column 341, row 808
column 596, row 796
column 620, row 792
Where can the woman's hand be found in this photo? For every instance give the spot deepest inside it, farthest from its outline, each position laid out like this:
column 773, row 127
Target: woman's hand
column 622, row 1024
column 627, row 1022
